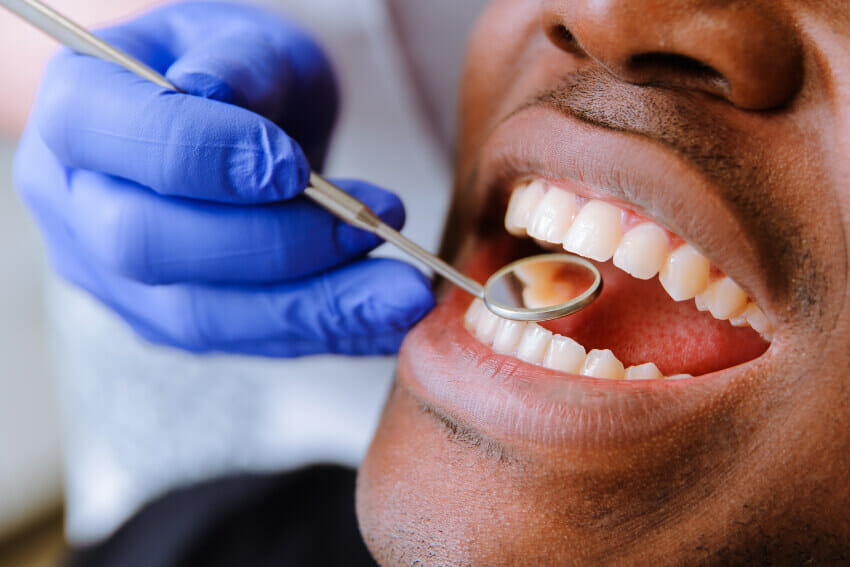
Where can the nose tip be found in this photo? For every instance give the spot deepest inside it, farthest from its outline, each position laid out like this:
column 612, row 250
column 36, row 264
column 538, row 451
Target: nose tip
column 735, row 50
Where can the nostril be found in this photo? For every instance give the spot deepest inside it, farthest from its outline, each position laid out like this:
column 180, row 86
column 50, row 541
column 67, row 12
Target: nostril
column 561, row 36
column 734, row 50
column 675, row 62
column 677, row 68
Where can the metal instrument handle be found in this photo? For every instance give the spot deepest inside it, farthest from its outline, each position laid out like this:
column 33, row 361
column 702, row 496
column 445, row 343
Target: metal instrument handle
column 358, row 214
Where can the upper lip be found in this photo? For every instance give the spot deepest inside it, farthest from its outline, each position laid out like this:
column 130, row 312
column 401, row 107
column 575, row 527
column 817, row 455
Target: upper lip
column 629, row 171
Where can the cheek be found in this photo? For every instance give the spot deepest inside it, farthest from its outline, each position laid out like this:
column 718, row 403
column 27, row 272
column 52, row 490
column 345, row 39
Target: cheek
column 496, row 45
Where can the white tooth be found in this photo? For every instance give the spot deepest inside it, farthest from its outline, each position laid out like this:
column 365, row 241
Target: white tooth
column 758, row 321
column 642, row 251
column 603, row 364
column 596, row 232
column 723, row 298
column 472, row 314
column 564, row 354
column 646, row 371
column 739, row 321
column 533, row 344
column 513, row 218
column 685, row 274
column 523, row 202
column 553, row 216
column 507, row 336
column 679, row 377
column 700, row 302
column 487, row 325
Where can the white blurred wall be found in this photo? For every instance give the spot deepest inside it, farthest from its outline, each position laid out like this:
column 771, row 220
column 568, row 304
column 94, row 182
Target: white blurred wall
column 30, row 476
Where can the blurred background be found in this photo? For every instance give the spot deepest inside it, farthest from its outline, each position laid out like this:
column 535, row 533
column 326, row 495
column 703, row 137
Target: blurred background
column 30, row 457
column 54, row 339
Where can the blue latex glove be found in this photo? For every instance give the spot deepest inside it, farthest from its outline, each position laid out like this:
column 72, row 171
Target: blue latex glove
column 182, row 213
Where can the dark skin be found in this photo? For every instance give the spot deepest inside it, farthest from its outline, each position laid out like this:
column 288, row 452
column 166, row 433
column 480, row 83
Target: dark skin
column 751, row 99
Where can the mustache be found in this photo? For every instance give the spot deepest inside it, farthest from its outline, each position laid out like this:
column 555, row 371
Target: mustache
column 679, row 122
column 690, row 124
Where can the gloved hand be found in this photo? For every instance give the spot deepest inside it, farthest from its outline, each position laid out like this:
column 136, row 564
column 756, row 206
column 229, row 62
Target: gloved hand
column 182, row 212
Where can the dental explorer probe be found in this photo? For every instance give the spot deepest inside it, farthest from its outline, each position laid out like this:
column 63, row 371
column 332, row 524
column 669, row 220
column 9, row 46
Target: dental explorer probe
column 503, row 292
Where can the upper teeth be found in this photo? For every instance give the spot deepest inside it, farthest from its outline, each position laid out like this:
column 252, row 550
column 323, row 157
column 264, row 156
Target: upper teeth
column 601, row 231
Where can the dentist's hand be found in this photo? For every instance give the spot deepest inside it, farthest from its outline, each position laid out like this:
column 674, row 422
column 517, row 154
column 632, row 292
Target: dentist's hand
column 182, row 212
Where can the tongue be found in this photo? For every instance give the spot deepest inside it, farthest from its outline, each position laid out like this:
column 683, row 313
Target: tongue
column 640, row 323
column 637, row 320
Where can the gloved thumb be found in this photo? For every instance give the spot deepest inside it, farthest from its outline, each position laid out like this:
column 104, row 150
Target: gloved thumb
column 283, row 76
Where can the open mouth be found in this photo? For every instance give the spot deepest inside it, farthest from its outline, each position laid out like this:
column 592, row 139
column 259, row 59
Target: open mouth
column 546, row 182
column 665, row 311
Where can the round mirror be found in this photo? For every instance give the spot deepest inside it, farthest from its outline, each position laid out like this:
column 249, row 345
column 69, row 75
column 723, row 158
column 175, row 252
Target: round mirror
column 542, row 288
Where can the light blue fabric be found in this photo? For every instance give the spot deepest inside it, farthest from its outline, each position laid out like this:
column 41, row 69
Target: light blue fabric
column 181, row 212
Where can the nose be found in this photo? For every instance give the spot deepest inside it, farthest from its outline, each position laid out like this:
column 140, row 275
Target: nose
column 739, row 50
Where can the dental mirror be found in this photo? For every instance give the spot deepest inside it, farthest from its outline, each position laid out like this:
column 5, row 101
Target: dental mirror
column 540, row 288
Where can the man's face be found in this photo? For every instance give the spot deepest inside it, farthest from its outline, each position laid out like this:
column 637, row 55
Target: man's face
column 709, row 140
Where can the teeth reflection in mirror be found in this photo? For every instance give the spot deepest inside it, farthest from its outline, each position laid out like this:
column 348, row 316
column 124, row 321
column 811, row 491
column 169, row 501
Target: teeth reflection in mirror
column 596, row 232
column 524, row 201
column 723, row 298
column 642, row 251
column 603, row 364
column 533, row 344
column 646, row 371
column 553, row 216
column 507, row 336
column 685, row 274
column 564, row 354
column 540, row 280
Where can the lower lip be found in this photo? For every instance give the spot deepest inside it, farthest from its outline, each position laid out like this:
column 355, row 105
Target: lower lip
column 505, row 399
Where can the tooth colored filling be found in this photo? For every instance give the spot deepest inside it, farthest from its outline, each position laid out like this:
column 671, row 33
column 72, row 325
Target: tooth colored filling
column 635, row 321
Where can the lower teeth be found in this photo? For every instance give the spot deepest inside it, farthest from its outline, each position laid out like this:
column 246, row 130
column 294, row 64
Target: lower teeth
column 533, row 344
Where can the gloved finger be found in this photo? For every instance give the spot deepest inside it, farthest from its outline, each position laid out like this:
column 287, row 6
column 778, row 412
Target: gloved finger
column 244, row 56
column 363, row 308
column 388, row 343
column 96, row 116
column 279, row 73
column 162, row 240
